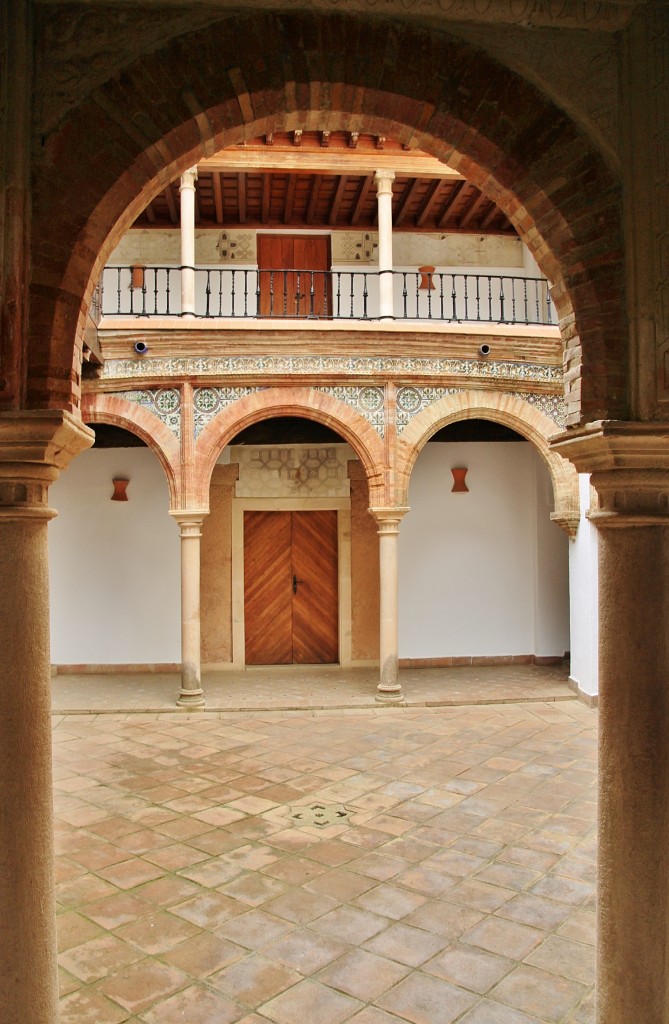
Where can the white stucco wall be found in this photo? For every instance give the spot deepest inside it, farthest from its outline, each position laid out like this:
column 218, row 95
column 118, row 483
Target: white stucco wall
column 479, row 574
column 584, row 588
column 114, row 566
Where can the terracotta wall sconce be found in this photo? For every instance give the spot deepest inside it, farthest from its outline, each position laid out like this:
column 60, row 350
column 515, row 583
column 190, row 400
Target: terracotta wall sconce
column 459, row 485
column 120, row 488
column 426, row 282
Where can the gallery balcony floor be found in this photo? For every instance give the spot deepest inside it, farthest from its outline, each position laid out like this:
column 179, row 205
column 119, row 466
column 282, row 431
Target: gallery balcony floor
column 419, row 865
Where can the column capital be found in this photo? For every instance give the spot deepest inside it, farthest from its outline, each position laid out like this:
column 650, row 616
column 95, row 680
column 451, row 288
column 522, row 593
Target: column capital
column 629, row 467
column 188, row 179
column 388, row 519
column 190, row 521
column 34, row 447
column 384, row 179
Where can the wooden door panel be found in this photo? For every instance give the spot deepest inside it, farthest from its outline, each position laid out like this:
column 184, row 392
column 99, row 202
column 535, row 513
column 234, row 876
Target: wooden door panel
column 312, row 253
column 277, row 282
column 268, row 588
column 316, row 602
column 293, row 275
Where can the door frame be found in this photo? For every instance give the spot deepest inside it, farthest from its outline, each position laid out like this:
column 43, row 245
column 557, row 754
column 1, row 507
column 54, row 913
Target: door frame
column 343, row 508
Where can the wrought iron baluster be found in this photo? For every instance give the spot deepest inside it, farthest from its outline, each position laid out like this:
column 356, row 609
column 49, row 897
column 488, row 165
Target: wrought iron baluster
column 257, row 294
column 207, row 293
column 352, row 294
column 454, row 309
column 220, row 291
column 549, row 307
column 478, row 298
column 167, row 291
column 501, row 300
column 364, row 295
column 405, row 295
column 118, row 289
column 441, row 297
column 429, row 296
column 490, row 316
column 337, row 310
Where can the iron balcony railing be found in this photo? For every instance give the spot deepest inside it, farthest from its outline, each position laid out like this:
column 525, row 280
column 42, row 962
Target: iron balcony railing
column 233, row 292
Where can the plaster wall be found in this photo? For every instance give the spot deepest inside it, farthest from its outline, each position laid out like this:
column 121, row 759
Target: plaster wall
column 584, row 588
column 477, row 573
column 114, row 565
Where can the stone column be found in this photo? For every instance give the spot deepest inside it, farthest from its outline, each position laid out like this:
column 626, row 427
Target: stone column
column 630, row 473
column 190, row 527
column 388, row 521
column 187, row 193
column 33, row 448
column 384, row 198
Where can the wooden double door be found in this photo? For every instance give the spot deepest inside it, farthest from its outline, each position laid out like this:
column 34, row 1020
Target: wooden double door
column 291, row 602
column 294, row 272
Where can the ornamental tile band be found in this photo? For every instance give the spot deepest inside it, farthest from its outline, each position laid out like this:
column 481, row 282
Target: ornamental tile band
column 552, row 406
column 367, row 401
column 165, row 403
column 412, row 400
column 238, row 366
column 208, row 402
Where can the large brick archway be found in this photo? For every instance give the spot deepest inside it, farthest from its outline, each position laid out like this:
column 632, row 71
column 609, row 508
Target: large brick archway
column 511, row 412
column 292, row 401
column 250, row 74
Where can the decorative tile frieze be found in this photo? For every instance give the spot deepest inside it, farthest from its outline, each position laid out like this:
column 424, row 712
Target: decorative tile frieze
column 552, row 406
column 165, row 403
column 288, row 471
column 354, row 366
column 412, row 400
column 208, row 402
column 367, row 401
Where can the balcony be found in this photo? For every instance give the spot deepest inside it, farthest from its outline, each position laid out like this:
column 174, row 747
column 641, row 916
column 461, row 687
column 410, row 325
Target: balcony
column 234, row 293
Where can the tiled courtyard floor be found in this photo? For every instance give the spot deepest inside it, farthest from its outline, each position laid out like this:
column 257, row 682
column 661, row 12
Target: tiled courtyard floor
column 459, row 886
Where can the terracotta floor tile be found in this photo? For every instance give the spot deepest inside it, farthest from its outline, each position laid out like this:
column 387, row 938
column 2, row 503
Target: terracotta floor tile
column 207, row 910
column 252, row 889
column 469, row 968
column 157, row 933
column 390, row 901
column 539, row 993
column 340, row 885
column 487, row 1012
column 565, row 957
column 168, row 890
column 508, row 938
column 377, row 865
column 196, row 1005
column 374, row 1015
column 213, row 872
column 253, row 929
column 88, row 1007
column 310, row 1001
column 410, row 946
column 294, row 870
column 138, row 987
column 351, row 924
column 305, row 950
column 444, row 919
column 73, row 929
column 300, row 906
column 479, row 895
column 363, row 975
column 254, row 980
column 203, row 954
column 534, row 911
column 98, row 957
column 83, row 889
column 425, row 1000
column 130, row 873
column 581, row 926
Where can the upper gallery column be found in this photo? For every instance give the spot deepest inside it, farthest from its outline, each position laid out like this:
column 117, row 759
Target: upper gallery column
column 34, row 446
column 187, row 193
column 629, row 463
column 384, row 198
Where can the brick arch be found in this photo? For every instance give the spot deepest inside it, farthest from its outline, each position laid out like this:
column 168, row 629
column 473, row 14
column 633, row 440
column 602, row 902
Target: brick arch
column 291, row 401
column 508, row 410
column 253, row 73
column 130, row 416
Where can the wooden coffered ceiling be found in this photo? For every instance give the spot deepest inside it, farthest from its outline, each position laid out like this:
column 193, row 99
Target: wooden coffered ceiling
column 318, row 179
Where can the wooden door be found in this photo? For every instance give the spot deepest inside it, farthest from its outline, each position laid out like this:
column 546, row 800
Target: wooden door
column 291, row 599
column 294, row 276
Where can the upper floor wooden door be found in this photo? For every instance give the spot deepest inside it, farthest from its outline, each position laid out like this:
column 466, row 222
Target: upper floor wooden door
column 294, row 273
column 291, row 599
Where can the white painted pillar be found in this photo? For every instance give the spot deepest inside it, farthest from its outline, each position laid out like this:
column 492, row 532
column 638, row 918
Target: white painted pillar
column 33, row 448
column 384, row 198
column 389, row 690
column 187, row 193
column 190, row 527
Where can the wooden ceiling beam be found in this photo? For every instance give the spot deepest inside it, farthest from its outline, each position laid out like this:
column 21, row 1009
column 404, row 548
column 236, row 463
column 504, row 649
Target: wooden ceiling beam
column 450, row 203
column 475, row 204
column 313, row 198
column 241, row 195
column 150, row 214
column 218, row 196
column 490, row 216
column 290, row 199
column 405, row 201
column 171, row 203
column 336, row 202
column 361, row 199
column 428, row 203
column 266, row 196
column 327, row 160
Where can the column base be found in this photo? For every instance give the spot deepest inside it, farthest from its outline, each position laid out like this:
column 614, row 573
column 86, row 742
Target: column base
column 390, row 695
column 191, row 699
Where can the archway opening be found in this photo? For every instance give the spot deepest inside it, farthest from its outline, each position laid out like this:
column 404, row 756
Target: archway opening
column 483, row 570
